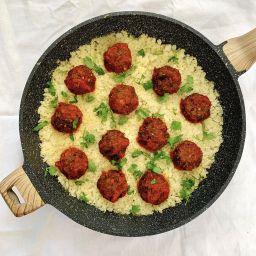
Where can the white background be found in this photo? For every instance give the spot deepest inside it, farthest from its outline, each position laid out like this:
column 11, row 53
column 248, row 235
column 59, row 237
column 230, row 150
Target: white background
column 27, row 28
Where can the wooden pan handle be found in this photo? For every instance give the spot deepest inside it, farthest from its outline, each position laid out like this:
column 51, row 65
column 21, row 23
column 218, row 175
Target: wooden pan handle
column 241, row 51
column 20, row 180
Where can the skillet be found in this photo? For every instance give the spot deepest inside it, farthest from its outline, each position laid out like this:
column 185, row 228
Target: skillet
column 222, row 63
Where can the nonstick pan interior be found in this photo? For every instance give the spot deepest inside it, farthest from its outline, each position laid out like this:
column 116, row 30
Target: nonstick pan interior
column 169, row 31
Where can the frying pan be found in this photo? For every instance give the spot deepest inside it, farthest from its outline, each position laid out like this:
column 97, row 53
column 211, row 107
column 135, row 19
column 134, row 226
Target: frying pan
column 223, row 64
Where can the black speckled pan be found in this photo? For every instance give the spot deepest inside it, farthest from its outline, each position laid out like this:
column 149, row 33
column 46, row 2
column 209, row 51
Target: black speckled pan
column 218, row 69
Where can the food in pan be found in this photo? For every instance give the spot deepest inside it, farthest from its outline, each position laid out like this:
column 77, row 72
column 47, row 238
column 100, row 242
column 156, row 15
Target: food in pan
column 130, row 125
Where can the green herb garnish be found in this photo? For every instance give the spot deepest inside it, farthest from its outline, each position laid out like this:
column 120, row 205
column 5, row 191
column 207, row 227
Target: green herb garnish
column 79, row 182
column 174, row 111
column 54, row 102
column 187, row 87
column 151, row 165
column 74, row 100
column 83, row 197
column 133, row 169
column 89, row 98
column 154, row 181
column 87, row 139
column 122, row 120
column 91, row 166
column 120, row 77
column 148, row 85
column 138, row 152
column 113, row 120
column 90, row 64
column 102, row 111
column 141, row 53
column 161, row 155
column 174, row 140
column 135, row 209
column 176, row 125
column 186, row 189
column 120, row 163
column 75, row 123
column 51, row 170
column 158, row 115
column 71, row 136
column 51, row 88
column 40, row 126
column 164, row 98
column 173, row 59
column 142, row 113
column 208, row 135
column 64, row 94
column 130, row 191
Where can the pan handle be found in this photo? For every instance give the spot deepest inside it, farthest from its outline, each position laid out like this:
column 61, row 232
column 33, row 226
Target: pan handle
column 20, row 180
column 241, row 51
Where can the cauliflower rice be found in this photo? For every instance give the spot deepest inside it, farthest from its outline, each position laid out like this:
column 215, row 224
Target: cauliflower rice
column 53, row 143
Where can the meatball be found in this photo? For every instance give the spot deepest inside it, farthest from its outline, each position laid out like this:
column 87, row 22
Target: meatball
column 195, row 107
column 186, row 156
column 112, row 185
column 66, row 118
column 118, row 58
column 73, row 163
column 80, row 80
column 153, row 134
column 153, row 188
column 166, row 80
column 123, row 99
column 113, row 145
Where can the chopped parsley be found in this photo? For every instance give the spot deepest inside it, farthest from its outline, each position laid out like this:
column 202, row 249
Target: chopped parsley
column 71, row 136
column 133, row 169
column 176, row 125
column 51, row 170
column 135, row 209
column 174, row 111
column 113, row 120
column 91, row 166
column 122, row 120
column 141, row 53
column 158, row 115
column 137, row 153
column 54, row 102
column 151, row 165
column 120, row 77
column 142, row 113
column 74, row 100
column 51, row 88
column 120, row 163
column 186, row 189
column 174, row 59
column 64, row 94
column 163, row 99
column 148, row 85
column 75, row 123
column 79, row 182
column 90, row 64
column 87, row 139
column 83, row 198
column 187, row 87
column 130, row 191
column 89, row 98
column 154, row 181
column 102, row 111
column 208, row 135
column 40, row 126
column 161, row 155
column 174, row 140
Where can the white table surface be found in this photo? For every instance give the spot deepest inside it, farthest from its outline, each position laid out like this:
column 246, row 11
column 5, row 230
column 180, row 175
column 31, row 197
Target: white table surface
column 227, row 228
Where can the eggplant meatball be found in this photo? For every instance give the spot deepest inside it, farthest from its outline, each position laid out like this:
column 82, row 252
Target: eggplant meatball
column 80, row 80
column 123, row 99
column 195, row 107
column 153, row 188
column 66, row 118
column 113, row 145
column 112, row 185
column 118, row 58
column 166, row 80
column 153, row 134
column 73, row 163
column 186, row 156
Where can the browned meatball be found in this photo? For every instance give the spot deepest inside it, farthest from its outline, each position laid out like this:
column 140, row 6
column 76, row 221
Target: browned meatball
column 186, row 156
column 80, row 80
column 195, row 107
column 153, row 134
column 118, row 58
column 123, row 99
column 112, row 185
column 166, row 80
column 113, row 145
column 66, row 118
column 73, row 163
column 153, row 188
